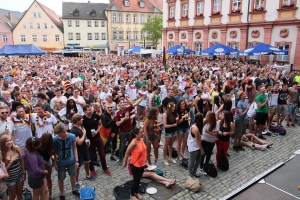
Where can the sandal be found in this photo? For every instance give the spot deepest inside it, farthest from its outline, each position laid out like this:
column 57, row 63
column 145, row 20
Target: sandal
column 139, row 197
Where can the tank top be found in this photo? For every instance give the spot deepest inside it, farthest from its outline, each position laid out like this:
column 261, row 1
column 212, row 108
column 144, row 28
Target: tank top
column 226, row 137
column 15, row 172
column 150, row 128
column 185, row 122
column 191, row 141
column 170, row 130
column 138, row 154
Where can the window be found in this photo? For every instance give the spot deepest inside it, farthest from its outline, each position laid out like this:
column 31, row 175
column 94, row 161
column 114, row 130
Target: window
column 34, row 15
column 114, row 17
column 89, row 23
column 135, row 19
column 24, row 26
column 135, row 35
column 283, row 57
column 77, row 23
column 96, row 23
column 234, row 46
column 34, row 38
column 126, row 3
column 103, row 36
column 258, row 3
column 39, row 15
column 200, row 7
column 185, row 9
column 4, row 38
column 217, row 5
column 121, row 35
column 142, row 4
column 128, row 35
column 114, row 35
column 45, row 25
column 45, row 38
column 172, row 12
column 102, row 23
column 56, row 38
column 23, row 38
column 198, row 48
column 236, row 4
column 288, row 2
column 148, row 19
column 90, row 36
column 96, row 36
column 69, row 23
column 70, row 36
column 127, row 18
column 38, row 25
column 142, row 19
column 31, row 25
column 77, row 36
column 120, row 18
column 170, row 45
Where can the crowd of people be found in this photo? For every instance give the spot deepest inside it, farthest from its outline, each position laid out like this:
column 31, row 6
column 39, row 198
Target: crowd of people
column 61, row 111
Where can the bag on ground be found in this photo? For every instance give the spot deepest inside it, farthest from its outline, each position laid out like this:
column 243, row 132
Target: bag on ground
column 185, row 163
column 174, row 153
column 210, row 169
column 224, row 163
column 277, row 129
column 87, row 193
column 193, row 184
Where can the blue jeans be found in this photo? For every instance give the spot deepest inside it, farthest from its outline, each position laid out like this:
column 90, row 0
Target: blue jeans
column 194, row 161
column 192, row 116
column 123, row 137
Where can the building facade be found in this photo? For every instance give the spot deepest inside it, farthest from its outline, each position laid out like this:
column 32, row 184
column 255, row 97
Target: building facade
column 85, row 26
column 125, row 22
column 39, row 26
column 7, row 23
column 198, row 24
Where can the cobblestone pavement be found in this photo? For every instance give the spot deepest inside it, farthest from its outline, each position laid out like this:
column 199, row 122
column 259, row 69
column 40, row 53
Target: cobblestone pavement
column 243, row 167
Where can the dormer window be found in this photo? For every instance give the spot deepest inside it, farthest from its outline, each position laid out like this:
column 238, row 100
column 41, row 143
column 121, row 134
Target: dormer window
column 93, row 13
column 126, row 3
column 142, row 4
column 76, row 12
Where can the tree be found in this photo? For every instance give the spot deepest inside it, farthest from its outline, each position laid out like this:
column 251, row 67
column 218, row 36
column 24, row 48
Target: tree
column 153, row 27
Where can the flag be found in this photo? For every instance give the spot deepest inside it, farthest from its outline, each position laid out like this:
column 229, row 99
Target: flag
column 165, row 57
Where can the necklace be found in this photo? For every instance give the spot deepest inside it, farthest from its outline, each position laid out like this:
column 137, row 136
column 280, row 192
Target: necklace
column 44, row 121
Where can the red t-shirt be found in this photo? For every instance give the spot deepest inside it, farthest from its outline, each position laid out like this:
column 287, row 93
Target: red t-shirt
column 126, row 125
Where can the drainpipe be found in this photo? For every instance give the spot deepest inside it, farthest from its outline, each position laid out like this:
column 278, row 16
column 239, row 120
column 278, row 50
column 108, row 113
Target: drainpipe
column 247, row 35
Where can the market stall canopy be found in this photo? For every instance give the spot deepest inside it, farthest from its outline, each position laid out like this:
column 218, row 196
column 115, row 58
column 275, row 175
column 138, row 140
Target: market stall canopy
column 178, row 49
column 263, row 49
column 21, row 50
column 135, row 49
column 218, row 50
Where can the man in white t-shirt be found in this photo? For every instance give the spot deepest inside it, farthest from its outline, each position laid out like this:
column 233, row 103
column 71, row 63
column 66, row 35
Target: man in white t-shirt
column 105, row 93
column 7, row 127
column 79, row 100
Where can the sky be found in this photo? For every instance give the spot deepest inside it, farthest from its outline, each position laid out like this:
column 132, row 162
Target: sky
column 56, row 5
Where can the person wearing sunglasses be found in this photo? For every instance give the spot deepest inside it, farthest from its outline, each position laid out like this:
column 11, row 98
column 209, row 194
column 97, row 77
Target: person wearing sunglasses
column 7, row 127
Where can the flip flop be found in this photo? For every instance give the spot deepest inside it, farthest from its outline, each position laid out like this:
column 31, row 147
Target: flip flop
column 171, row 184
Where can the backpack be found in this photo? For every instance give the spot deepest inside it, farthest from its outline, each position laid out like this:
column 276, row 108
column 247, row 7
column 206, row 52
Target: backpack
column 210, row 169
column 193, row 184
column 174, row 153
column 185, row 163
column 224, row 164
column 277, row 129
column 159, row 172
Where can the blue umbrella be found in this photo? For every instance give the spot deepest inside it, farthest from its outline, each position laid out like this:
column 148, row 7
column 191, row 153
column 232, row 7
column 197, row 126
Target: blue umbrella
column 173, row 50
column 263, row 49
column 135, row 49
column 218, row 50
column 186, row 51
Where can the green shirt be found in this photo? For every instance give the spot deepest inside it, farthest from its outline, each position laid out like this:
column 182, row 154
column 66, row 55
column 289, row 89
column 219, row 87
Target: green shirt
column 139, row 84
column 82, row 77
column 261, row 99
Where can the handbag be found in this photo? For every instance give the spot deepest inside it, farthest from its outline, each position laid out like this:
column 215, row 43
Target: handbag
column 224, row 163
column 210, row 169
column 26, row 195
column 193, row 184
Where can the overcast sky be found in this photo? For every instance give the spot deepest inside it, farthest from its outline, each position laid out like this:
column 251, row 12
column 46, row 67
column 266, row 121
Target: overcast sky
column 56, row 5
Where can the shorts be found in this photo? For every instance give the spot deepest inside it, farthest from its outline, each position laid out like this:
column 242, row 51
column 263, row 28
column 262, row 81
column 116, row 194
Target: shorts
column 282, row 109
column 62, row 171
column 251, row 121
column 15, row 182
column 49, row 163
column 293, row 109
column 3, row 194
column 240, row 127
column 272, row 110
column 170, row 134
column 153, row 137
column 141, row 107
column 35, row 183
column 261, row 118
column 84, row 157
column 181, row 131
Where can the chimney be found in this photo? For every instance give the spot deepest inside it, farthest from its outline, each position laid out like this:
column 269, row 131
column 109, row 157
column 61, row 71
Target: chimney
column 10, row 17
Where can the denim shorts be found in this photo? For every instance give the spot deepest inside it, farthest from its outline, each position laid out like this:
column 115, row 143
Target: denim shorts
column 84, row 157
column 293, row 109
column 141, row 107
column 181, row 131
column 15, row 182
column 170, row 134
column 62, row 171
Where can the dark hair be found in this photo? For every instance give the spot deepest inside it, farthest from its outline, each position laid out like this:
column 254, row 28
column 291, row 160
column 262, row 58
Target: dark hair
column 152, row 113
column 217, row 101
column 211, row 119
column 170, row 114
column 134, row 132
column 59, row 129
column 226, row 120
column 161, row 109
column 47, row 143
column 227, row 105
column 178, row 108
column 199, row 122
column 86, row 106
column 68, row 107
column 17, row 94
column 76, row 118
column 40, row 106
column 41, row 95
column 32, row 143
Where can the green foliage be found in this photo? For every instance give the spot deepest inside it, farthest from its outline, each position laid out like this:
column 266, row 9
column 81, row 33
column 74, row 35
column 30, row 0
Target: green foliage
column 153, row 27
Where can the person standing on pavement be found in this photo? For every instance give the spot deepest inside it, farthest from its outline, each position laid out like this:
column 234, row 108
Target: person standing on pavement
column 282, row 107
column 168, row 99
column 65, row 159
column 92, row 125
column 293, row 105
column 82, row 147
column 262, row 111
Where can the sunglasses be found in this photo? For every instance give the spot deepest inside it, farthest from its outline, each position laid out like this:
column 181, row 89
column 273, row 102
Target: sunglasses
column 2, row 113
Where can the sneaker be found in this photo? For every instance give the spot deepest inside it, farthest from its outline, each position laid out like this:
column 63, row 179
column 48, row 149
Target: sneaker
column 62, row 197
column 241, row 148
column 114, row 158
column 77, row 186
column 94, row 174
column 91, row 178
column 196, row 175
column 76, row 193
column 279, row 125
column 268, row 133
column 107, row 172
column 203, row 172
column 264, row 147
column 235, row 148
column 261, row 137
column 264, row 132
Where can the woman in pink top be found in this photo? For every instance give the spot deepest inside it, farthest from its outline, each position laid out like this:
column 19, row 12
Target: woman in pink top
column 138, row 151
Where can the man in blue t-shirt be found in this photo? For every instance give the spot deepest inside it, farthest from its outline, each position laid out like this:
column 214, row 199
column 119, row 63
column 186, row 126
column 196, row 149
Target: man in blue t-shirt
column 66, row 158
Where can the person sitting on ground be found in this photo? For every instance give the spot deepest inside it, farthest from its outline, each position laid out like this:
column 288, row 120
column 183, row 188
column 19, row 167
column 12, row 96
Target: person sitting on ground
column 253, row 142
